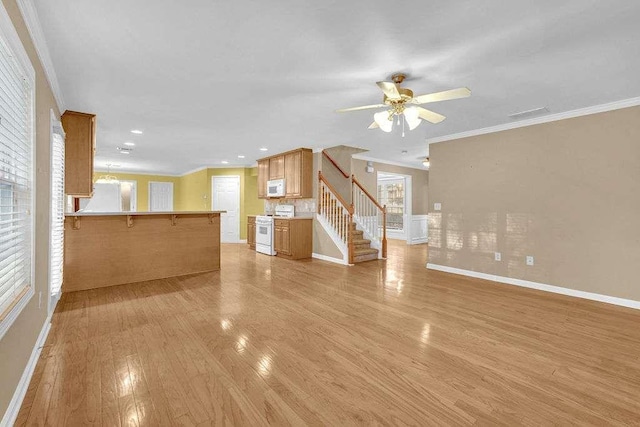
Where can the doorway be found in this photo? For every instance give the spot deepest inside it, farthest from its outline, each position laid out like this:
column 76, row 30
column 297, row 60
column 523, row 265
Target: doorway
column 225, row 196
column 160, row 196
column 394, row 191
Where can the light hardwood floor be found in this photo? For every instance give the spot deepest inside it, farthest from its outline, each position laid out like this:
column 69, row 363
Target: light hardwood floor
column 272, row 341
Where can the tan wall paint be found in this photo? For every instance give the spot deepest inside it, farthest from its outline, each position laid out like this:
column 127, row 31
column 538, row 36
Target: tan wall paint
column 419, row 182
column 322, row 243
column 19, row 341
column 142, row 186
column 194, row 192
column 342, row 155
column 566, row 192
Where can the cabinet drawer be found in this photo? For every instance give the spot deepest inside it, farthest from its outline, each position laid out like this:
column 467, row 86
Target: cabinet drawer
column 282, row 223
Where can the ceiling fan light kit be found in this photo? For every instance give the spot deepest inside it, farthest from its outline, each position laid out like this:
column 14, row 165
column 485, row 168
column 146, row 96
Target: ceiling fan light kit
column 396, row 98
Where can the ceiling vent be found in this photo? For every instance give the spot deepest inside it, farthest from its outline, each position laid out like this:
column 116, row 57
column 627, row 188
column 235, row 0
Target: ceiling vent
column 529, row 113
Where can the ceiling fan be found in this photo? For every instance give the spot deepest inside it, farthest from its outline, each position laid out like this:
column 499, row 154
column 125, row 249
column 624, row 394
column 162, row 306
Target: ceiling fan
column 402, row 103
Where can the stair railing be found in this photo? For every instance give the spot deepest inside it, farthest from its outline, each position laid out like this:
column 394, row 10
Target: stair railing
column 336, row 212
column 370, row 215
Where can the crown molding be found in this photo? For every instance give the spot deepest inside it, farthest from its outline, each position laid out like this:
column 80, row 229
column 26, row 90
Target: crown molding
column 31, row 20
column 602, row 108
column 116, row 171
column 389, row 162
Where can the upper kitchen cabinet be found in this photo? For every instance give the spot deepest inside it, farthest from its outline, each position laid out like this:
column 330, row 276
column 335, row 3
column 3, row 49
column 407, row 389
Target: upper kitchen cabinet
column 80, row 143
column 276, row 167
column 296, row 167
column 263, row 177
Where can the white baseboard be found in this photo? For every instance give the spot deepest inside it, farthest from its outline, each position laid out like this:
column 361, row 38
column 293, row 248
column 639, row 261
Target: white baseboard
column 21, row 390
column 539, row 286
column 418, row 241
column 328, row 258
column 242, row 241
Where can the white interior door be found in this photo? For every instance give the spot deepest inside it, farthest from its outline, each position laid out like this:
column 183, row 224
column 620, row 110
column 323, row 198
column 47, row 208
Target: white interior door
column 160, row 196
column 225, row 196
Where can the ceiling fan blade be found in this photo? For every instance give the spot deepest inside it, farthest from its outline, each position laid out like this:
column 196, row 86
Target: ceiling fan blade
column 430, row 116
column 461, row 92
column 373, row 125
column 364, row 107
column 389, row 89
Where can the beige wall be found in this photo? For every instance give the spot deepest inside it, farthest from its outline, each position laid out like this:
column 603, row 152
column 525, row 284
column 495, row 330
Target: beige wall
column 342, row 155
column 18, row 342
column 419, row 182
column 566, row 192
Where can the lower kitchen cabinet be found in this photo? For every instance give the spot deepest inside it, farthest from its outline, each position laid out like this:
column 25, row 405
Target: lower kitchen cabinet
column 293, row 237
column 251, row 231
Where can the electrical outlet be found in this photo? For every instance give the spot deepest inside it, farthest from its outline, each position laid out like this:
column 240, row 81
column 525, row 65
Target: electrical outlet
column 437, row 206
column 498, row 256
column 529, row 260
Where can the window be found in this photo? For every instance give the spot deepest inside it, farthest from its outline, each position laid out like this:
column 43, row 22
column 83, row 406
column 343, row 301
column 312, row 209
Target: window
column 56, row 255
column 391, row 193
column 16, row 176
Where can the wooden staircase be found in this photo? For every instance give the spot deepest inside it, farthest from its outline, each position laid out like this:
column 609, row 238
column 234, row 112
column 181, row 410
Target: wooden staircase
column 340, row 215
column 362, row 250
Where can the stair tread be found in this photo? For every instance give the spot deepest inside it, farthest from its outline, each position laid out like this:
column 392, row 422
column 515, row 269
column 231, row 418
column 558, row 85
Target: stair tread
column 361, row 241
column 358, row 252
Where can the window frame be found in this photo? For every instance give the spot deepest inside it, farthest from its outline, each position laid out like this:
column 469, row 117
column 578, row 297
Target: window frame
column 9, row 36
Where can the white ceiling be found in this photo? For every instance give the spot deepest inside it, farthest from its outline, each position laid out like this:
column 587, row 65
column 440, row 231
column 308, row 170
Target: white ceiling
column 207, row 81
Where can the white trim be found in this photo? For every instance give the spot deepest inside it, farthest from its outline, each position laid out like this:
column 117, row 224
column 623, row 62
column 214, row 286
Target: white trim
column 625, row 103
column 173, row 189
column 173, row 175
column 329, row 259
column 31, row 20
column 539, row 286
column 21, row 390
column 389, row 162
column 242, row 241
column 15, row 44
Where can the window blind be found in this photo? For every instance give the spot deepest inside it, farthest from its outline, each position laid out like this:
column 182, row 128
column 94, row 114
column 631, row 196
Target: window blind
column 16, row 159
column 57, row 213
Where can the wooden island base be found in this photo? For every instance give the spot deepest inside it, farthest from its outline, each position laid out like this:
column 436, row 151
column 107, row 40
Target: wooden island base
column 113, row 249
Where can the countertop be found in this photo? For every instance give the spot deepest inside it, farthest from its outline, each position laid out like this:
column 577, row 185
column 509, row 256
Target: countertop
column 295, row 218
column 75, row 214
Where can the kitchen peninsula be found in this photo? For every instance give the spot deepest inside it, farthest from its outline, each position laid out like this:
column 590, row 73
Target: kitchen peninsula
column 106, row 249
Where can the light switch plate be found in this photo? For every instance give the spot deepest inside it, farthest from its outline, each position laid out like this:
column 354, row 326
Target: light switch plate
column 437, row 206
column 498, row 256
column 529, row 260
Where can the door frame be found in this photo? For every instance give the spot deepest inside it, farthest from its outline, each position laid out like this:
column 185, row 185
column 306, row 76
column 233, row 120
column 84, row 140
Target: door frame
column 213, row 178
column 134, row 193
column 408, row 196
column 149, row 194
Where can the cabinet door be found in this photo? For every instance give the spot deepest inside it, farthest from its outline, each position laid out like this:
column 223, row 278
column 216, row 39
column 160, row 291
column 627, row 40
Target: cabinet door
column 80, row 130
column 286, row 241
column 263, row 177
column 276, row 167
column 293, row 174
column 277, row 239
column 251, row 234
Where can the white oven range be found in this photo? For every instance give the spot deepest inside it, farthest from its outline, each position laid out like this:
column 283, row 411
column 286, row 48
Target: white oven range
column 264, row 234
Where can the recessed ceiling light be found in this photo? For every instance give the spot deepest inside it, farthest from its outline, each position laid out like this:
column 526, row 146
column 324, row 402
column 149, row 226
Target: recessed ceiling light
column 130, row 144
column 404, row 152
column 240, row 156
column 136, row 131
column 224, row 162
column 124, row 152
column 263, row 149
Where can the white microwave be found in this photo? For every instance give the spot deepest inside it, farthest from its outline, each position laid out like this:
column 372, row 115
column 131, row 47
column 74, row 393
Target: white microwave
column 275, row 188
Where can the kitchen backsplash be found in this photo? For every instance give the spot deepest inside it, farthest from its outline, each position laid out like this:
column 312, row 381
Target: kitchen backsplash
column 303, row 206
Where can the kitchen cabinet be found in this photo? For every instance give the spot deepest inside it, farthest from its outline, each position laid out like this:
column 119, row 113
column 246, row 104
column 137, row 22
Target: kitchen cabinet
column 80, row 143
column 276, row 167
column 298, row 170
column 296, row 167
column 263, row 177
column 292, row 238
column 251, row 231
